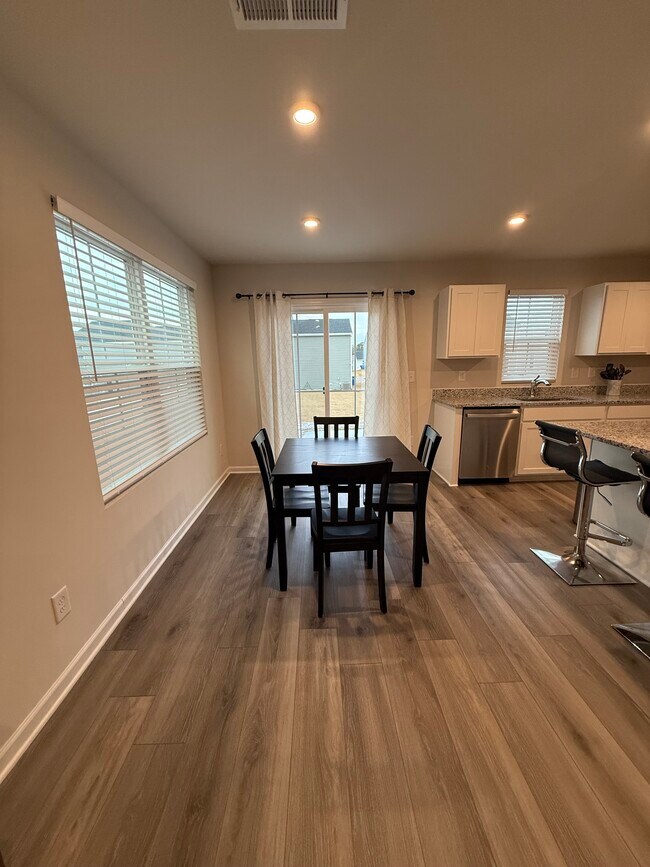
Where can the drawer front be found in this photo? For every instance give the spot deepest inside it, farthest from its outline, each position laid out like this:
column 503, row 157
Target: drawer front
column 628, row 411
column 564, row 413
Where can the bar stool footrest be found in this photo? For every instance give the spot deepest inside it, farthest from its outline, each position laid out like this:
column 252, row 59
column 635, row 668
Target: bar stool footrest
column 638, row 634
column 579, row 573
column 615, row 539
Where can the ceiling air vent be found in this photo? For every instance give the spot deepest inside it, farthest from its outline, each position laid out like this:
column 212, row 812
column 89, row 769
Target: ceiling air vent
column 289, row 14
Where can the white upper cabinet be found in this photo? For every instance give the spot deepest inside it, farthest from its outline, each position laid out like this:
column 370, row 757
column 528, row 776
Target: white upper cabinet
column 615, row 318
column 470, row 321
column 489, row 320
column 637, row 319
column 461, row 325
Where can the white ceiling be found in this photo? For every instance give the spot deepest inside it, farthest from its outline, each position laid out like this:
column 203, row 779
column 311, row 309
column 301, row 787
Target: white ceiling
column 439, row 119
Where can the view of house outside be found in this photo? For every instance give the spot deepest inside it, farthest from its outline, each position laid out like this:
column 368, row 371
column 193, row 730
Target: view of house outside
column 345, row 379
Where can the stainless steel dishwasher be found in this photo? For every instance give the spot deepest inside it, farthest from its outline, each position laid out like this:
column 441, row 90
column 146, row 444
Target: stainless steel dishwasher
column 488, row 445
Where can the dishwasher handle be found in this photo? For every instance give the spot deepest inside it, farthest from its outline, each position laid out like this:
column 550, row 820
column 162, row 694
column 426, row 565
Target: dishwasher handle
column 512, row 414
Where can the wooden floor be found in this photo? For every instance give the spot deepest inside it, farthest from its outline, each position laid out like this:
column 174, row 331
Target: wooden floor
column 491, row 717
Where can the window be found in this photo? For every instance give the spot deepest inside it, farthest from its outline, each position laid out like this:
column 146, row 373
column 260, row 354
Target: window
column 137, row 343
column 532, row 336
column 329, row 360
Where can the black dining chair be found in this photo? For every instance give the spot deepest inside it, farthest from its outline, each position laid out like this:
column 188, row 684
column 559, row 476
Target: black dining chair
column 401, row 495
column 351, row 528
column 299, row 501
column 336, row 421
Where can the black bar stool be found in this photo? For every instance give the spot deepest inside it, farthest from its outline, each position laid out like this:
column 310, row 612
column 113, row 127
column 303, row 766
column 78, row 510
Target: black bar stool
column 638, row 634
column 564, row 449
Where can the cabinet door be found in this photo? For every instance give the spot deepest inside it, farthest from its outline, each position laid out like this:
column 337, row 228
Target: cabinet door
column 530, row 443
column 637, row 320
column 489, row 320
column 612, row 328
column 462, row 321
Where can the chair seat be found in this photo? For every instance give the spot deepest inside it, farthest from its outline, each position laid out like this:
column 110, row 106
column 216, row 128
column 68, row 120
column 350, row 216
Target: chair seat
column 399, row 494
column 340, row 532
column 302, row 497
column 599, row 473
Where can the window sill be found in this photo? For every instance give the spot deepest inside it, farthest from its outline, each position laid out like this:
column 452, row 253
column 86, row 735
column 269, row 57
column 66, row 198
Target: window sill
column 524, row 382
column 111, row 496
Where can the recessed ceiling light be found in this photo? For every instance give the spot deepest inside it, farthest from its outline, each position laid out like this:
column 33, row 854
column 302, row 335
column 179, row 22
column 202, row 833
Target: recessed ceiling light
column 517, row 220
column 311, row 223
column 305, row 114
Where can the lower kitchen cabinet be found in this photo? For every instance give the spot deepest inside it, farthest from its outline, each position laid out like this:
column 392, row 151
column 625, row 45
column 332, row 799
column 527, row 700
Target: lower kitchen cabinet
column 448, row 421
column 529, row 462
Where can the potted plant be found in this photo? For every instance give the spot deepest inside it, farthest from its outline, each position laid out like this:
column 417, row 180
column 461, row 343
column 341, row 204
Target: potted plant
column 613, row 374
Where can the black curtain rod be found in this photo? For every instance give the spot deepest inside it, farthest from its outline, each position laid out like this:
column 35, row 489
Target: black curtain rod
column 239, row 295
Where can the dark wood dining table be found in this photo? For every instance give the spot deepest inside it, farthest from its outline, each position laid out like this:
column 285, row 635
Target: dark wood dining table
column 293, row 467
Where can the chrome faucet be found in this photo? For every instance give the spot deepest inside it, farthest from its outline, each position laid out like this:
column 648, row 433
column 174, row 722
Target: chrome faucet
column 534, row 385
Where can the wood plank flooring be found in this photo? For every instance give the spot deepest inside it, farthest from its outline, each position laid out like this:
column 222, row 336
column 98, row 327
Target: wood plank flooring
column 492, row 717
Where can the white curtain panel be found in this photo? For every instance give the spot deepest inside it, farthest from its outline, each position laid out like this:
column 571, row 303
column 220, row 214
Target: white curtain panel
column 274, row 350
column 388, row 405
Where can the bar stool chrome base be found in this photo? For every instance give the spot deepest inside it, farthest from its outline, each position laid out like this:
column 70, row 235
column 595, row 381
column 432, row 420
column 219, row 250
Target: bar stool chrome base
column 638, row 634
column 578, row 571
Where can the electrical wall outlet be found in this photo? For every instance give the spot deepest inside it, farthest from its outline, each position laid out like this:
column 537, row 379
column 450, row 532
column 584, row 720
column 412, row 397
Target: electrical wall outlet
column 462, row 375
column 61, row 604
column 575, row 372
column 411, row 376
column 591, row 372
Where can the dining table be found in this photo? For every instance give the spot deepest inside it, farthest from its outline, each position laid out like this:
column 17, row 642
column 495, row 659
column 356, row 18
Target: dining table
column 293, row 467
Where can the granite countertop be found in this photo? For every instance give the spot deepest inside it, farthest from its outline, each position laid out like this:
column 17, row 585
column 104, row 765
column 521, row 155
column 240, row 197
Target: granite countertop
column 555, row 395
column 634, row 436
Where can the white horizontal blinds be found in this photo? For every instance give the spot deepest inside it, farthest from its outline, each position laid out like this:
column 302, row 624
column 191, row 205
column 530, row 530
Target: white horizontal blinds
column 532, row 337
column 137, row 342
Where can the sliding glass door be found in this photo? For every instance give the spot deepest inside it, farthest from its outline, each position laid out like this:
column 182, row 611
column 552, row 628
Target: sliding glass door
column 309, row 344
column 329, row 360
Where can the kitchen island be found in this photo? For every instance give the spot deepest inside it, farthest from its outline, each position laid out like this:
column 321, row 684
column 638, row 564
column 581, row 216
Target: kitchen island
column 614, row 442
column 633, row 436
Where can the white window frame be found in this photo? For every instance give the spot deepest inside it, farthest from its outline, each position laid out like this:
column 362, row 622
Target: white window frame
column 561, row 343
column 171, row 410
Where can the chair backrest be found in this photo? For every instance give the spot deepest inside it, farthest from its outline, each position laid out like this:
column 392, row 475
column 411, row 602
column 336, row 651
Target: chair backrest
column 265, row 460
column 563, row 448
column 345, row 479
column 336, row 421
column 429, row 442
column 643, row 499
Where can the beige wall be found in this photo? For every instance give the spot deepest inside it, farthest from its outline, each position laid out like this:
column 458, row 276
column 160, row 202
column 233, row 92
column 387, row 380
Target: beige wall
column 55, row 527
column 427, row 278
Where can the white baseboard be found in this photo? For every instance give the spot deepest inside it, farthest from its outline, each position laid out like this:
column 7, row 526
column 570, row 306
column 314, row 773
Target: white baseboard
column 444, row 479
column 12, row 750
column 542, row 477
column 236, row 470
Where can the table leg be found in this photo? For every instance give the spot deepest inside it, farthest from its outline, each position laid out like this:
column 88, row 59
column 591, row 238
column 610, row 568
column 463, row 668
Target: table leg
column 278, row 497
column 419, row 531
